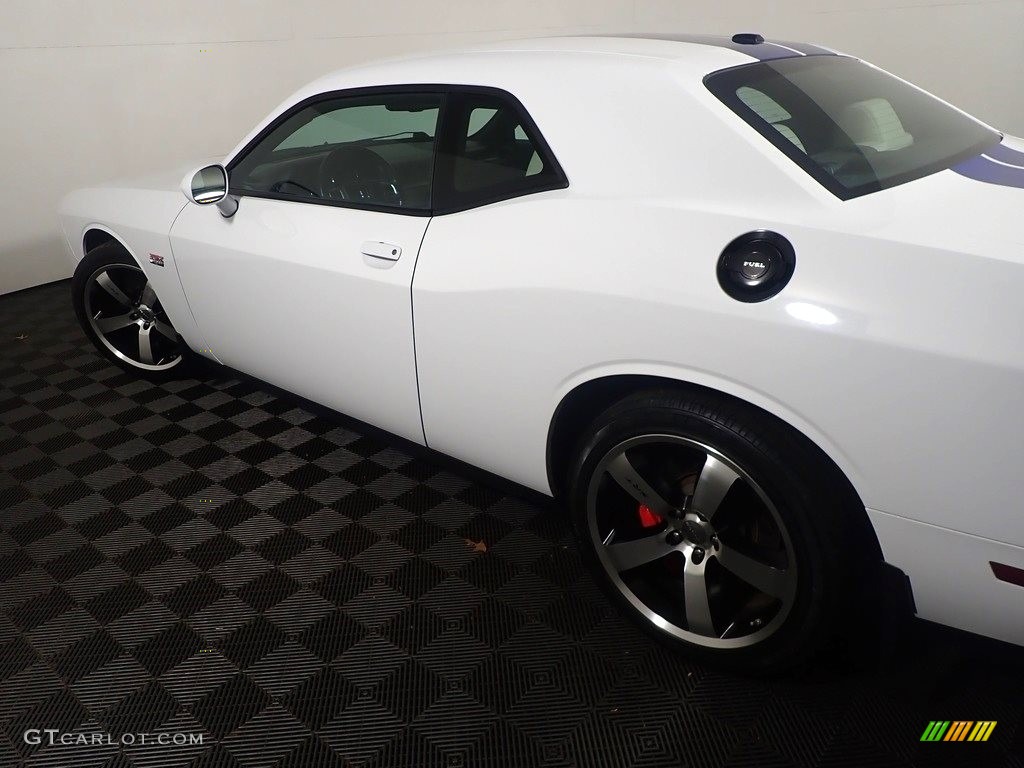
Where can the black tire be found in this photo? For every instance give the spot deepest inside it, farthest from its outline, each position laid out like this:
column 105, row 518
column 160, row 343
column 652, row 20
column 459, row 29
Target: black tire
column 176, row 360
column 829, row 537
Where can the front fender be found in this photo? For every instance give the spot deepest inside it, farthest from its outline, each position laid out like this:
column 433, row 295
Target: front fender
column 139, row 219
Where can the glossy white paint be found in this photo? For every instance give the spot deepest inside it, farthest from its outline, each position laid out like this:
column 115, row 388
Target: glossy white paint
column 964, row 594
column 284, row 291
column 898, row 346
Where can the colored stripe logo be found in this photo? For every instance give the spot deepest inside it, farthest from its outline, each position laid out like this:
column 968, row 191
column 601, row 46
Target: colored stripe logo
column 958, row 730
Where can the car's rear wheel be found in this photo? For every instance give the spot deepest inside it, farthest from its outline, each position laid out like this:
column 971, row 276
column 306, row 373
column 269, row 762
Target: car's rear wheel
column 121, row 314
column 713, row 528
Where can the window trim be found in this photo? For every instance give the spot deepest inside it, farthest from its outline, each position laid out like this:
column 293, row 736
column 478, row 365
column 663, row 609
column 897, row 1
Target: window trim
column 720, row 83
column 443, row 136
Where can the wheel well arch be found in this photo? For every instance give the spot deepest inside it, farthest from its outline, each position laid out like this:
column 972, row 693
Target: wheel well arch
column 586, row 401
column 94, row 237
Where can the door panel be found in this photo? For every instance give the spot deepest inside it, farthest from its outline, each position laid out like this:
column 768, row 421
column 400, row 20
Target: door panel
column 284, row 291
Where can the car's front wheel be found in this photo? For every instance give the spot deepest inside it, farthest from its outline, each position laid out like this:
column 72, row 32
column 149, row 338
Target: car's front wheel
column 709, row 524
column 121, row 314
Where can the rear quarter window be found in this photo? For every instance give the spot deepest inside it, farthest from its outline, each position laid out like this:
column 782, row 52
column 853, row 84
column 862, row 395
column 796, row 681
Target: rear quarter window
column 492, row 151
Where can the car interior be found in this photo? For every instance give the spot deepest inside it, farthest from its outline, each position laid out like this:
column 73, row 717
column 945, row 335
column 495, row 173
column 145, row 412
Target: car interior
column 390, row 168
column 856, row 128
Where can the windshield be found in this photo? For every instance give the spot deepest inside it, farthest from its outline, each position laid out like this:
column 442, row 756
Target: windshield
column 851, row 126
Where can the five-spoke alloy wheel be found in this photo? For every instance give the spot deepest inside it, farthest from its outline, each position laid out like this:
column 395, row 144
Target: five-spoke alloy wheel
column 715, row 529
column 119, row 310
column 691, row 541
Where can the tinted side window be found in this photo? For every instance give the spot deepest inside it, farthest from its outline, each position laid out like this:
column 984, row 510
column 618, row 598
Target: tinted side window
column 492, row 151
column 364, row 151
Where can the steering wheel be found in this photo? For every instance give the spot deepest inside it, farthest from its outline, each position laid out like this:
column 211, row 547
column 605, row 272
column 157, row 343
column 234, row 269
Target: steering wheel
column 358, row 175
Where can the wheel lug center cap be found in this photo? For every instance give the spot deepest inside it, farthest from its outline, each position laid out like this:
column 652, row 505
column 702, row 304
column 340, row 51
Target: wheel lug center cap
column 699, row 533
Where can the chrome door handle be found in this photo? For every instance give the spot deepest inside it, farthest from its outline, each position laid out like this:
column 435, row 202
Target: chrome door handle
column 379, row 250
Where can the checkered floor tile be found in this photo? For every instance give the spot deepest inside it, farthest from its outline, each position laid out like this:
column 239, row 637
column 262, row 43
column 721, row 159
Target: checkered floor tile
column 216, row 559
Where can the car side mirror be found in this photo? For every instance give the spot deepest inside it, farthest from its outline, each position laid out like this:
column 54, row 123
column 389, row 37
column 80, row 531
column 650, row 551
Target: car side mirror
column 209, row 186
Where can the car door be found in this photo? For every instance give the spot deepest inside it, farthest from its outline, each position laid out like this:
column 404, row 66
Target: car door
column 483, row 291
column 308, row 285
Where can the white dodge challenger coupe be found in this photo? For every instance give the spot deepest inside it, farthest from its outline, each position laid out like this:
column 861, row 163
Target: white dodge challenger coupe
column 753, row 309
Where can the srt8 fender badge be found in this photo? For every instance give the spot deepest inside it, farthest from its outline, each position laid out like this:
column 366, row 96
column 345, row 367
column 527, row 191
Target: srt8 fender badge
column 155, row 259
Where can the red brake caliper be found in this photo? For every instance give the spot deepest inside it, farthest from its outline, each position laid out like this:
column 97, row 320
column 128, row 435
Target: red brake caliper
column 648, row 519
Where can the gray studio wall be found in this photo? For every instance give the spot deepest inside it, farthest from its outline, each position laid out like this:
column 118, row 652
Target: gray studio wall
column 97, row 89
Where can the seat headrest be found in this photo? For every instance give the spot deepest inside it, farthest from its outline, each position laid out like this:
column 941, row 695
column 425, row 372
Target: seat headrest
column 874, row 123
